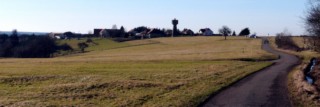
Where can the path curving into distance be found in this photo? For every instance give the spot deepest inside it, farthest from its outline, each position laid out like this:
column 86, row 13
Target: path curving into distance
column 267, row 87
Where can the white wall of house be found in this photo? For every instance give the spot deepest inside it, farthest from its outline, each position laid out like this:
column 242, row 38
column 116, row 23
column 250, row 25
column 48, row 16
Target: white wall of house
column 208, row 32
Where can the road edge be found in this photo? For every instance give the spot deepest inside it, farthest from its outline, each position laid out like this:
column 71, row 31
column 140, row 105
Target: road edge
column 235, row 82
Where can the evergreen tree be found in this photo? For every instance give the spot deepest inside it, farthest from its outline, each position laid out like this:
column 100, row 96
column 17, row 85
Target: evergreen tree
column 245, row 32
column 14, row 39
column 122, row 29
column 234, row 33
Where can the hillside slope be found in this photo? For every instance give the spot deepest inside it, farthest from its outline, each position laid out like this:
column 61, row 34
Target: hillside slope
column 156, row 72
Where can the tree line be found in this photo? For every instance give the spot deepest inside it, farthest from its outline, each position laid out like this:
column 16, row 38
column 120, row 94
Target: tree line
column 29, row 46
column 224, row 31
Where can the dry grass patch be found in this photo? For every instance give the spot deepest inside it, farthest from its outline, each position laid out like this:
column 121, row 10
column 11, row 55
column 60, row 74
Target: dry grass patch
column 166, row 83
column 302, row 93
column 24, row 80
column 306, row 55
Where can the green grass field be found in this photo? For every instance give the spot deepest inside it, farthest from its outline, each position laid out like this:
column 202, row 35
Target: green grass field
column 180, row 71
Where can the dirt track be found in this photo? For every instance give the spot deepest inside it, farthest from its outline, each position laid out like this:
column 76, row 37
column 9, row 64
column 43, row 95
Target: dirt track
column 265, row 88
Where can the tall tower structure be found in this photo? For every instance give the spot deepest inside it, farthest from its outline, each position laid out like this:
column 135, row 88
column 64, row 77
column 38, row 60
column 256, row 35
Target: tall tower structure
column 175, row 22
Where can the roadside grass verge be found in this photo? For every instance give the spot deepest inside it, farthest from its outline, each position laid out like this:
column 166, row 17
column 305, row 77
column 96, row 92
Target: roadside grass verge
column 302, row 94
column 305, row 55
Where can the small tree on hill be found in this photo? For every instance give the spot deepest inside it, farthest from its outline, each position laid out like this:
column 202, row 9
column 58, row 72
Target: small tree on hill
column 82, row 46
column 245, row 32
column 65, row 47
column 123, row 31
column 89, row 40
column 225, row 31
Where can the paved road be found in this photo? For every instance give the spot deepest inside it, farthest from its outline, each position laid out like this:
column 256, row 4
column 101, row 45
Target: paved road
column 265, row 88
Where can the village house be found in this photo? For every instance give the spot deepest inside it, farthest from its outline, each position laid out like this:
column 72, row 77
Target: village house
column 57, row 35
column 112, row 33
column 253, row 35
column 147, row 33
column 168, row 32
column 206, row 32
column 187, row 32
column 156, row 33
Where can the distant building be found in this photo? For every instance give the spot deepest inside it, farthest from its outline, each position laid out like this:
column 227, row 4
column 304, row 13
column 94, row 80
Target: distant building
column 57, row 35
column 187, row 32
column 156, row 33
column 253, row 36
column 148, row 33
column 142, row 35
column 112, row 33
column 96, row 32
column 169, row 32
column 206, row 32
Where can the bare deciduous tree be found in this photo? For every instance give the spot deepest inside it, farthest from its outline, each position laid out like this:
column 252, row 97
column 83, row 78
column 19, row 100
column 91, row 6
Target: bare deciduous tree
column 312, row 21
column 284, row 40
column 225, row 31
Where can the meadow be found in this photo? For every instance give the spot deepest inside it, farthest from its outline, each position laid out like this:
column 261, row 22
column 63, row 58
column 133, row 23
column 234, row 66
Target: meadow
column 181, row 71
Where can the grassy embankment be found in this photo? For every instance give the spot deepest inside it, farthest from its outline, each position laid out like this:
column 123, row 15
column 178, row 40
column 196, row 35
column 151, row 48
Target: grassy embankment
column 305, row 55
column 156, row 72
column 302, row 93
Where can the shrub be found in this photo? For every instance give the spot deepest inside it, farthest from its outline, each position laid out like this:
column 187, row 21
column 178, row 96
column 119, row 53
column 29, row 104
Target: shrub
column 284, row 40
column 29, row 46
column 82, row 46
column 65, row 47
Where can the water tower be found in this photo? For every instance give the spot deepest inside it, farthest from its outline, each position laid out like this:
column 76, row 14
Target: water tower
column 175, row 22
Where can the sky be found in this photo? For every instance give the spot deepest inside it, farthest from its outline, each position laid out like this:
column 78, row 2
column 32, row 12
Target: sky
column 82, row 16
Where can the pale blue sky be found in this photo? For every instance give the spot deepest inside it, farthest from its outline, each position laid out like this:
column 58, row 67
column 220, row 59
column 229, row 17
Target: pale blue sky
column 261, row 16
